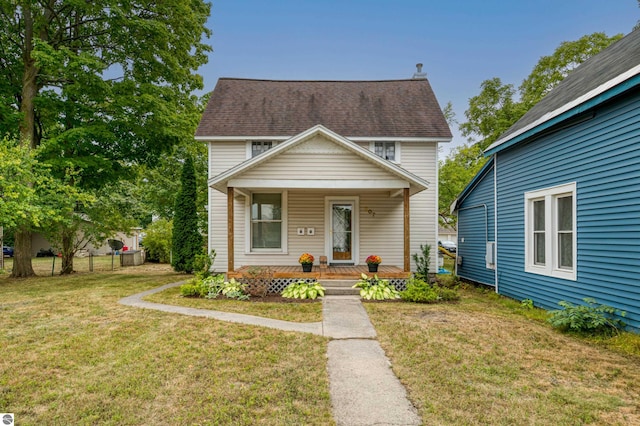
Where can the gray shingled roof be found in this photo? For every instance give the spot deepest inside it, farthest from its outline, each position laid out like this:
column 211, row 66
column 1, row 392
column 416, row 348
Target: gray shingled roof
column 394, row 108
column 592, row 73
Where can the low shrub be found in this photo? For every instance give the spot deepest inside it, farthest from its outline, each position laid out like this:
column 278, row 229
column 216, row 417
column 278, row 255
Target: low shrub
column 592, row 318
column 448, row 281
column 203, row 264
column 419, row 291
column 303, row 290
column 194, row 288
column 526, row 304
column 375, row 288
column 423, row 260
column 214, row 286
column 157, row 241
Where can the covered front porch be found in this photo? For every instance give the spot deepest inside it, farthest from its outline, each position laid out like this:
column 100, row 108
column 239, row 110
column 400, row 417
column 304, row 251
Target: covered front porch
column 322, row 272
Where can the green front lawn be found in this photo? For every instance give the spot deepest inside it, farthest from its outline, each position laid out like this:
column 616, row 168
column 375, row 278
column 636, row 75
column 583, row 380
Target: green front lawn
column 487, row 360
column 70, row 354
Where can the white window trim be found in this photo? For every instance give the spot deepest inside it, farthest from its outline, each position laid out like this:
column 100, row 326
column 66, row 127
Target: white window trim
column 549, row 195
column 250, row 143
column 372, row 148
column 284, row 231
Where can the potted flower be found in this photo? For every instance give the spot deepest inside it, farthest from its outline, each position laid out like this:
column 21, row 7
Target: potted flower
column 306, row 260
column 373, row 261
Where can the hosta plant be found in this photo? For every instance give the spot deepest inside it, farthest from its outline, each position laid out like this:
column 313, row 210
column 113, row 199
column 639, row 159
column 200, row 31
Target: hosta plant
column 214, row 286
column 234, row 290
column 303, row 290
column 374, row 288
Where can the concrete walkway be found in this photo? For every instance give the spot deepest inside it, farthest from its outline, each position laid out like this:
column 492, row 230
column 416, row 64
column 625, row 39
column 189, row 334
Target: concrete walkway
column 364, row 390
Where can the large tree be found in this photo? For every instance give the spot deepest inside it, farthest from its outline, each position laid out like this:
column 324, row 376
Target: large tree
column 99, row 86
column 31, row 196
column 500, row 105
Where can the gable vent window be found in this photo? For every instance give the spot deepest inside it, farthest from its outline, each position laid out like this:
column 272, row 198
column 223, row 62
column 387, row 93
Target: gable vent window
column 386, row 150
column 258, row 148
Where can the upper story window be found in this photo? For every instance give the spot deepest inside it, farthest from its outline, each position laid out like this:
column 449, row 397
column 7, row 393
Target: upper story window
column 386, row 150
column 550, row 231
column 258, row 148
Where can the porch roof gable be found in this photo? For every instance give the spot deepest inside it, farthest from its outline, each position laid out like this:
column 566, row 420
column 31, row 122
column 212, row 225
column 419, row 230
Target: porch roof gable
column 395, row 176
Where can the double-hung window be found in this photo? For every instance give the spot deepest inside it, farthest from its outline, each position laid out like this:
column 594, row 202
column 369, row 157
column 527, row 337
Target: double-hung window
column 386, row 150
column 550, row 231
column 259, row 147
column 266, row 228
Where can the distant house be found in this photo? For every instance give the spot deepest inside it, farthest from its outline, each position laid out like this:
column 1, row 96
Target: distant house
column 446, row 233
column 555, row 213
column 342, row 169
column 40, row 244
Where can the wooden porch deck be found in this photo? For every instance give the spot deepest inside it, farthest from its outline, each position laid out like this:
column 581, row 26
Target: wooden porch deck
column 325, row 272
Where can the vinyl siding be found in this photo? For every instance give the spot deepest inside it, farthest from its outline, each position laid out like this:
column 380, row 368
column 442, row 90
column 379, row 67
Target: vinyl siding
column 601, row 155
column 382, row 228
column 421, row 159
column 224, row 155
column 475, row 230
column 329, row 162
column 380, row 215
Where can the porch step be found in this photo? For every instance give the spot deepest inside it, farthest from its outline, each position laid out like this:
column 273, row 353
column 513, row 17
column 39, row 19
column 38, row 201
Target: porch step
column 339, row 287
column 337, row 283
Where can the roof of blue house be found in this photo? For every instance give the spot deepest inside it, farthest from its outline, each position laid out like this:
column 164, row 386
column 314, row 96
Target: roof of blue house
column 611, row 72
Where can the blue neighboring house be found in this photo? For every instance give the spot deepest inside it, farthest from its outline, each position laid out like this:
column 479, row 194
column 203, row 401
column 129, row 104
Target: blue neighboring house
column 555, row 213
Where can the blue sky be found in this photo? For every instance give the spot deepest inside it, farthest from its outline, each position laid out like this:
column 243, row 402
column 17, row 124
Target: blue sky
column 460, row 42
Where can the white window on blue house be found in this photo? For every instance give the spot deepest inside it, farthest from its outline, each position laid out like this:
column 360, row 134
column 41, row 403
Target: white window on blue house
column 387, row 150
column 267, row 224
column 550, row 231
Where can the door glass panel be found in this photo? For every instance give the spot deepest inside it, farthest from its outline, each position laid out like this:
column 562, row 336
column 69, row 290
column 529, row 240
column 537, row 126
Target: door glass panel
column 341, row 223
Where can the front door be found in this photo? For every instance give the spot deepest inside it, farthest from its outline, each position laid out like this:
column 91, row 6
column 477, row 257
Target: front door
column 342, row 231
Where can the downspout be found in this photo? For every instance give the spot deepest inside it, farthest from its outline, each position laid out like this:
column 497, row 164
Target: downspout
column 495, row 216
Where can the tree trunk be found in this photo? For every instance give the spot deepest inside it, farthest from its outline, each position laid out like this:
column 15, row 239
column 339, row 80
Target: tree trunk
column 68, row 250
column 29, row 85
column 22, row 267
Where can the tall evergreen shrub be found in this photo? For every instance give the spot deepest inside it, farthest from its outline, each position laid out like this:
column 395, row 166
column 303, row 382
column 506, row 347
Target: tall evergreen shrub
column 187, row 241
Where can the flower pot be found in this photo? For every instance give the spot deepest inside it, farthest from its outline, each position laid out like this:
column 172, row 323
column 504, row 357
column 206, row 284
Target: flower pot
column 373, row 267
column 307, row 267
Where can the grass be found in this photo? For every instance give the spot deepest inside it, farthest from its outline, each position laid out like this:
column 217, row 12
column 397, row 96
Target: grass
column 487, row 360
column 72, row 355
column 296, row 312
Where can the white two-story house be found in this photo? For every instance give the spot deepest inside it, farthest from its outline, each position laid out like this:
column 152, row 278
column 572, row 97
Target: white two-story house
column 338, row 169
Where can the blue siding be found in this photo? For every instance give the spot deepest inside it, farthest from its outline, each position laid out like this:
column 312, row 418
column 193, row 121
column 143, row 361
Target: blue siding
column 474, row 229
column 602, row 155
